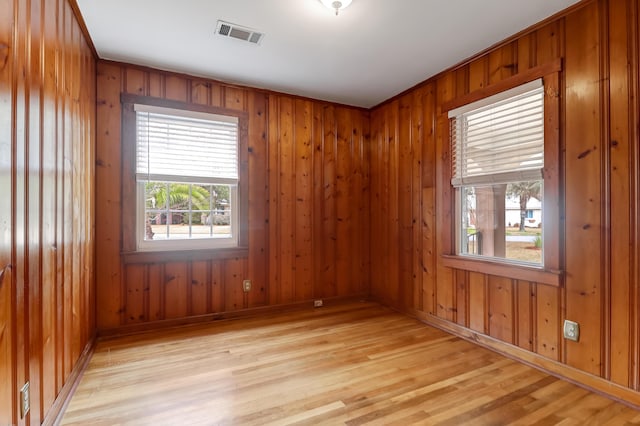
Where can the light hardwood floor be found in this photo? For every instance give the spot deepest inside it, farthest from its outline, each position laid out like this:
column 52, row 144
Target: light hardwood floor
column 351, row 364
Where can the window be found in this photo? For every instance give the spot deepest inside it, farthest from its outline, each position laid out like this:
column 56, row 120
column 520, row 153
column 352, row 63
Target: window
column 497, row 162
column 184, row 167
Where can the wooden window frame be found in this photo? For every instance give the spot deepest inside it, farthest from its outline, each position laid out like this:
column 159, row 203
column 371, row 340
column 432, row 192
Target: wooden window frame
column 129, row 183
column 551, row 272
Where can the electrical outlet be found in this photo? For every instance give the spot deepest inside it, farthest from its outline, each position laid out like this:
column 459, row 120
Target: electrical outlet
column 571, row 330
column 246, row 286
column 317, row 303
column 24, row 400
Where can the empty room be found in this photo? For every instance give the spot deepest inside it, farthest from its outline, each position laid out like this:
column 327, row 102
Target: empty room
column 279, row 212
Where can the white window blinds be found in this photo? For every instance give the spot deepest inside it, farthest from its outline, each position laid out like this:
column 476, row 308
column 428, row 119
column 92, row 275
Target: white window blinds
column 185, row 146
column 499, row 139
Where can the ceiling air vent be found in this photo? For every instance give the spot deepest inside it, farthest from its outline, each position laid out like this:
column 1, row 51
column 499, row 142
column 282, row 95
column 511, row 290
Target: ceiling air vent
column 228, row 29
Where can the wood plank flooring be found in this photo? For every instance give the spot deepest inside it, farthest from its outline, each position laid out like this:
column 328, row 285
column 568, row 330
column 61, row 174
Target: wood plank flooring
column 350, row 364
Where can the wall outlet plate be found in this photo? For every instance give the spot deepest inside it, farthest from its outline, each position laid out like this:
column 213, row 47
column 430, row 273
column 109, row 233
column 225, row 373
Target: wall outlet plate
column 246, row 286
column 317, row 303
column 571, row 330
column 24, row 400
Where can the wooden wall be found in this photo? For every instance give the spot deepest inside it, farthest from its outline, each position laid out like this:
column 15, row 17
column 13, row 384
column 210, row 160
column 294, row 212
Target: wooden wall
column 47, row 125
column 599, row 201
column 333, row 211
column 308, row 195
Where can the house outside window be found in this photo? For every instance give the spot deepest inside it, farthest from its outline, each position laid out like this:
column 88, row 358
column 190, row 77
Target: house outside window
column 497, row 163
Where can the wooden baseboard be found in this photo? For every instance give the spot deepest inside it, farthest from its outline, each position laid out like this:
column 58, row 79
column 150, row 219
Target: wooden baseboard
column 578, row 377
column 245, row 313
column 55, row 413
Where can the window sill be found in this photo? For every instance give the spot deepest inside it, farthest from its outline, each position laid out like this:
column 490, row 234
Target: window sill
column 184, row 255
column 518, row 272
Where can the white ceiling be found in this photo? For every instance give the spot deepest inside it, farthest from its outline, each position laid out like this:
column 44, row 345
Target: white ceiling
column 372, row 51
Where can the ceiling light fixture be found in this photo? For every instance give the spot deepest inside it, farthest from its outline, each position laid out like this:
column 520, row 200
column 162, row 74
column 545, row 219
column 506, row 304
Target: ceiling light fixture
column 336, row 5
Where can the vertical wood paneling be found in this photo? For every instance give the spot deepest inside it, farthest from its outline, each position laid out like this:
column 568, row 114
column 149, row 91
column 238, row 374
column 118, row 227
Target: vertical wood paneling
column 135, row 82
column 156, row 85
column 66, row 198
column 477, row 302
column 216, row 300
column 273, row 158
column 634, row 132
column 501, row 308
column 303, row 201
column 234, row 271
column 234, row 98
column 392, row 140
column 175, row 88
column 403, row 213
column 59, row 168
column 444, row 219
column 34, row 210
column 478, row 70
column 378, row 204
column 135, row 306
column 547, row 303
column 428, row 200
column 360, row 218
column 7, row 326
column 526, row 52
column 328, row 209
column 155, row 293
column 387, row 224
column 286, row 201
column 621, row 179
column 376, row 200
column 524, row 314
column 108, row 205
column 583, row 174
column 462, row 290
column 405, row 201
column 50, row 339
column 428, row 261
column 200, row 92
column 47, row 116
column 308, row 191
column 549, row 42
column 174, row 282
column 20, row 190
column 553, row 155
column 343, row 199
column 308, row 186
column 200, row 288
column 503, row 62
column 591, row 152
column 417, row 142
column 462, row 81
column 258, row 199
column 217, row 95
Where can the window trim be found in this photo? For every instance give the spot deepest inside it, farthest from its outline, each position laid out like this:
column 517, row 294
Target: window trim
column 129, row 184
column 551, row 273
